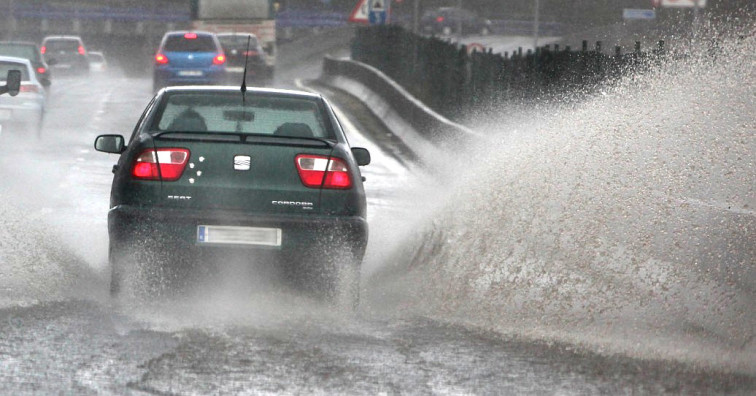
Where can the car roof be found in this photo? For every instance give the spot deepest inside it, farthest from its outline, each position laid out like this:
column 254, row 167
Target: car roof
column 15, row 59
column 182, row 32
column 29, row 70
column 48, row 38
column 235, row 34
column 29, row 43
column 250, row 91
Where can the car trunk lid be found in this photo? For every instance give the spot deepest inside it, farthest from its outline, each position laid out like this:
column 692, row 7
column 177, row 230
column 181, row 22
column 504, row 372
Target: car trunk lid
column 232, row 172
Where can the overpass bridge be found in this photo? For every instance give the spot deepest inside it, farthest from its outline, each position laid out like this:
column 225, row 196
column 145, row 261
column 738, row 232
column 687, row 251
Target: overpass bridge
column 127, row 30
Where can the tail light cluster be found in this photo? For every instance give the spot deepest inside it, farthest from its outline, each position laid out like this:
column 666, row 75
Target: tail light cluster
column 316, row 171
column 43, row 49
column 81, row 50
column 161, row 59
column 29, row 88
column 219, row 59
column 165, row 164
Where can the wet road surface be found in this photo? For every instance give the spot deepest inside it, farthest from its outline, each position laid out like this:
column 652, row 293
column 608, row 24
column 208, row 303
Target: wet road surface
column 62, row 334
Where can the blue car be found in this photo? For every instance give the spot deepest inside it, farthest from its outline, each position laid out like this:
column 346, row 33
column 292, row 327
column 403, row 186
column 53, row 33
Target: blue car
column 189, row 58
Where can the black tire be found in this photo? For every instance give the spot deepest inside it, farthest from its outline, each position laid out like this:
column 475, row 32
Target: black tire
column 163, row 272
column 332, row 276
column 152, row 271
column 117, row 256
column 38, row 125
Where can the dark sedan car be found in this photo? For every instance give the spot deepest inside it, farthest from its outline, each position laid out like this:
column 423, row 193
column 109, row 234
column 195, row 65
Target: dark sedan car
column 210, row 170
column 448, row 20
column 30, row 51
column 66, row 54
column 239, row 51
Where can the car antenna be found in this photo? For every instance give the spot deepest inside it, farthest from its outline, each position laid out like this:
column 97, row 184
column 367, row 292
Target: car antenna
column 244, row 76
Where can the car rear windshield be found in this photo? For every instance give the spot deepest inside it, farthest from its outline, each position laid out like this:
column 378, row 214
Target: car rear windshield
column 237, row 42
column 29, row 52
column 202, row 43
column 95, row 58
column 71, row 45
column 6, row 66
column 225, row 112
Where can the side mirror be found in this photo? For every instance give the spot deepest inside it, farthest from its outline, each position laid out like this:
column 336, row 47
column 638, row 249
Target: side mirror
column 114, row 144
column 12, row 83
column 269, row 49
column 361, row 155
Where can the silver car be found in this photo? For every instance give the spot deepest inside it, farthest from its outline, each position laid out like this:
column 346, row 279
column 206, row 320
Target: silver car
column 24, row 112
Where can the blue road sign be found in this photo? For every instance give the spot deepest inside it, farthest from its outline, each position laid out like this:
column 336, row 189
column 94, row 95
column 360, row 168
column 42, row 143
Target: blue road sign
column 631, row 13
column 378, row 12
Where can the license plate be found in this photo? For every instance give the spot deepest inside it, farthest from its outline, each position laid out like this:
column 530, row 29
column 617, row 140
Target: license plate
column 231, row 235
column 235, row 69
column 190, row 73
column 5, row 114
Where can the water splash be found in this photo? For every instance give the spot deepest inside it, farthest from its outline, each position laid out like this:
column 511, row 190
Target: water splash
column 623, row 223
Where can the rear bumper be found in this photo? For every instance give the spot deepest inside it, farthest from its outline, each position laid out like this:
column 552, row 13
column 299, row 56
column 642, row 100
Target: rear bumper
column 29, row 113
column 172, row 76
column 178, row 227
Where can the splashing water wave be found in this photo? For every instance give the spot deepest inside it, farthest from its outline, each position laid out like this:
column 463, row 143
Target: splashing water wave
column 625, row 223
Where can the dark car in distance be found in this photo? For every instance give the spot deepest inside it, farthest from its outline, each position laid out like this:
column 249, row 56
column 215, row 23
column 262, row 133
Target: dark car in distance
column 189, row 58
column 240, row 52
column 30, row 51
column 448, row 20
column 65, row 54
column 211, row 170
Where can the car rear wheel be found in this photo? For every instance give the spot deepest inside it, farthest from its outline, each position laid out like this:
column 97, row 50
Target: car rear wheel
column 332, row 275
column 149, row 271
column 117, row 255
column 38, row 125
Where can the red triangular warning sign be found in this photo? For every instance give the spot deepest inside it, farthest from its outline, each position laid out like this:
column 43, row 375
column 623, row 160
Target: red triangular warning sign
column 360, row 13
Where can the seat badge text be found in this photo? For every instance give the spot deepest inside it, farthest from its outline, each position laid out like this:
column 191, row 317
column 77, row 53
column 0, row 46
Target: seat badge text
column 303, row 205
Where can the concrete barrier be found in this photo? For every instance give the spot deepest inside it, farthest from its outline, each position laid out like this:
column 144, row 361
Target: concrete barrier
column 430, row 125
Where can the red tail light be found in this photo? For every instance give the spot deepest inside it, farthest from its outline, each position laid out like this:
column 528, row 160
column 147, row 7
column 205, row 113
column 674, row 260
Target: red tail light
column 164, row 163
column 219, row 60
column 43, row 50
column 440, row 19
column 82, row 51
column 317, row 170
column 190, row 36
column 41, row 70
column 29, row 88
column 161, row 59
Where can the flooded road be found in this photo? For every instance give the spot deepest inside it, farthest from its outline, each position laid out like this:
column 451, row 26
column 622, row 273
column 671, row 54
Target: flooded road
column 61, row 333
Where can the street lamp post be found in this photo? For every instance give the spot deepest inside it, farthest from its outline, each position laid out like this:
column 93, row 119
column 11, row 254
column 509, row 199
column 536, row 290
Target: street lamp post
column 535, row 24
column 415, row 16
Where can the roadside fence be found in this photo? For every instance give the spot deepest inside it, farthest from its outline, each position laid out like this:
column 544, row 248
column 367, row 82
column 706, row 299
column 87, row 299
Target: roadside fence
column 451, row 80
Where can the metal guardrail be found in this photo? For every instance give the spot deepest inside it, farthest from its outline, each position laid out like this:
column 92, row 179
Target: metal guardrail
column 452, row 81
column 432, row 126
